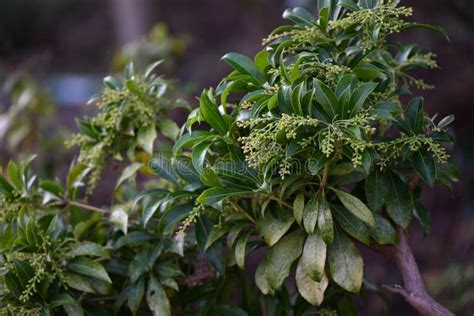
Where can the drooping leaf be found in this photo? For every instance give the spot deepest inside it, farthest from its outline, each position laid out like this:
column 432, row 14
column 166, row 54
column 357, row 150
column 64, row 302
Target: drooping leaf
column 312, row 291
column 424, row 217
column 399, row 202
column 169, row 128
column 146, row 137
column 298, row 207
column 351, row 224
column 384, row 233
column 272, row 229
column 377, row 189
column 275, row 268
column 135, row 295
column 128, row 172
column 156, row 298
column 213, row 254
column 310, row 215
column 325, row 223
column 313, row 258
column 345, row 263
column 240, row 249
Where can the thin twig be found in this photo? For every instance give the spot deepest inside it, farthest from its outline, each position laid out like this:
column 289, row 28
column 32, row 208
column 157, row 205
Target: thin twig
column 87, row 207
column 241, row 210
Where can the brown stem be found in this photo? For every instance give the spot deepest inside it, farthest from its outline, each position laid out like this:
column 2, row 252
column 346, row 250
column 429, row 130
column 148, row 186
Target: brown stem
column 324, row 180
column 413, row 290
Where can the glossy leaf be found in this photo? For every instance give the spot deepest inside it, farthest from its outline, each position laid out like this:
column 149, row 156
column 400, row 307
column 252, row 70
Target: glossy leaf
column 425, row 165
column 86, row 266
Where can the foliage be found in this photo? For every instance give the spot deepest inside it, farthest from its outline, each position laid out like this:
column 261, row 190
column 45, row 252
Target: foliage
column 297, row 154
column 130, row 110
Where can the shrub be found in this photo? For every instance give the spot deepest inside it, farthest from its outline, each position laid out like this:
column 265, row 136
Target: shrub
column 302, row 152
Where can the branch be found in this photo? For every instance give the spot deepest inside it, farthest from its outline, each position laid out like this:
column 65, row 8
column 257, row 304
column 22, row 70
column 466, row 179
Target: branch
column 413, row 290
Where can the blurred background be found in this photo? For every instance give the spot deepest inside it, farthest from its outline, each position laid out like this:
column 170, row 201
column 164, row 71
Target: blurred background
column 54, row 54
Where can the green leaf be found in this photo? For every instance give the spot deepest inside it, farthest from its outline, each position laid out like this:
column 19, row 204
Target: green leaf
column 351, row 224
column 310, row 216
column 326, row 98
column 399, row 202
column 425, row 165
column 189, row 140
column 146, row 137
column 298, row 207
column 156, row 298
column 316, row 162
column 210, row 112
column 377, row 189
column 345, row 263
column 113, row 83
column 216, row 233
column 214, row 253
column 168, row 128
column 73, row 310
column 240, row 251
column 86, row 266
column 384, row 233
column 349, row 4
column 356, row 207
column 314, row 257
column 135, row 295
column 360, row 95
column 273, row 228
column 424, row 217
column 446, row 121
column 88, row 248
column 300, row 16
column 244, row 65
column 151, row 68
column 78, row 282
column 312, row 291
column 14, row 174
column 213, row 195
column 435, row 28
column 61, row 299
column 162, row 167
column 325, row 223
column 75, row 176
column 128, row 172
column 275, row 268
column 414, row 115
column 198, row 156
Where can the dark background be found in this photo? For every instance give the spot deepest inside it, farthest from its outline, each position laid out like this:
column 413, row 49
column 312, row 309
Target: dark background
column 66, row 43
